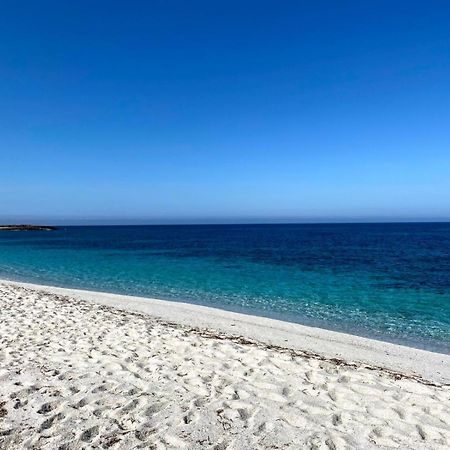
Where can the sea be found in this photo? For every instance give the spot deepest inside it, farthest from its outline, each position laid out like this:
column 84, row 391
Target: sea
column 384, row 281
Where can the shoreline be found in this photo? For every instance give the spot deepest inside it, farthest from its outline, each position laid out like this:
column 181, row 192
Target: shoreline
column 341, row 348
column 82, row 369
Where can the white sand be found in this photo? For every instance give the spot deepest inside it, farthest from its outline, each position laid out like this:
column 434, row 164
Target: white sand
column 89, row 370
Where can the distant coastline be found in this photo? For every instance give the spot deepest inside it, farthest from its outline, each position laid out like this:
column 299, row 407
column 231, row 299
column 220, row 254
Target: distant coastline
column 27, row 228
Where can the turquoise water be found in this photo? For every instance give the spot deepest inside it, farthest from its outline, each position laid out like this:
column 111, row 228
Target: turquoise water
column 386, row 281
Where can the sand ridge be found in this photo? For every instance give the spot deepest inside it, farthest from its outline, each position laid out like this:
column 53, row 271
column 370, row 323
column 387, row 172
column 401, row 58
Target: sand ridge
column 78, row 375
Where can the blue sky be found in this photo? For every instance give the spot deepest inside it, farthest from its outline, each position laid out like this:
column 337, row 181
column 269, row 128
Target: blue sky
column 167, row 111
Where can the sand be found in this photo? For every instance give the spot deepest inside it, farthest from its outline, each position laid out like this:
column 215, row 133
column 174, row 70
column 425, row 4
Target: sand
column 88, row 370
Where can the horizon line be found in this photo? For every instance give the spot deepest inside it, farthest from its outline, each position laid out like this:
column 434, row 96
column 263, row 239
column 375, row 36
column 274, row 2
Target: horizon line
column 312, row 222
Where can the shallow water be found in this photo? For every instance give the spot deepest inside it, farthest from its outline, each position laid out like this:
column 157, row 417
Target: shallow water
column 386, row 281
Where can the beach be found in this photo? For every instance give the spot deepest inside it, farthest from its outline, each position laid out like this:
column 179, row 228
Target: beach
column 81, row 369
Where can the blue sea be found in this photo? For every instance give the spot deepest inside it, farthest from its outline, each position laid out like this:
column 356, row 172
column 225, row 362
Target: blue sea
column 385, row 281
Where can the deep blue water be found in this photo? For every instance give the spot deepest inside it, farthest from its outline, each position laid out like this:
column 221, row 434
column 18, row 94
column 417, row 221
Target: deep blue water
column 387, row 281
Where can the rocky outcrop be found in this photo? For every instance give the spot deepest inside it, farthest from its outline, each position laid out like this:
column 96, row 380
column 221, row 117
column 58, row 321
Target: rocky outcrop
column 27, row 228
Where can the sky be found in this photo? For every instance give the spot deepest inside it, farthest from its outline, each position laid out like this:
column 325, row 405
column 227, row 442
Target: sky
column 213, row 111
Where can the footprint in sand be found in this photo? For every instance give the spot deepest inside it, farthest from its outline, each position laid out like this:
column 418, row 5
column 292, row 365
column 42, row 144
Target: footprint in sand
column 50, row 421
column 89, row 434
column 46, row 408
